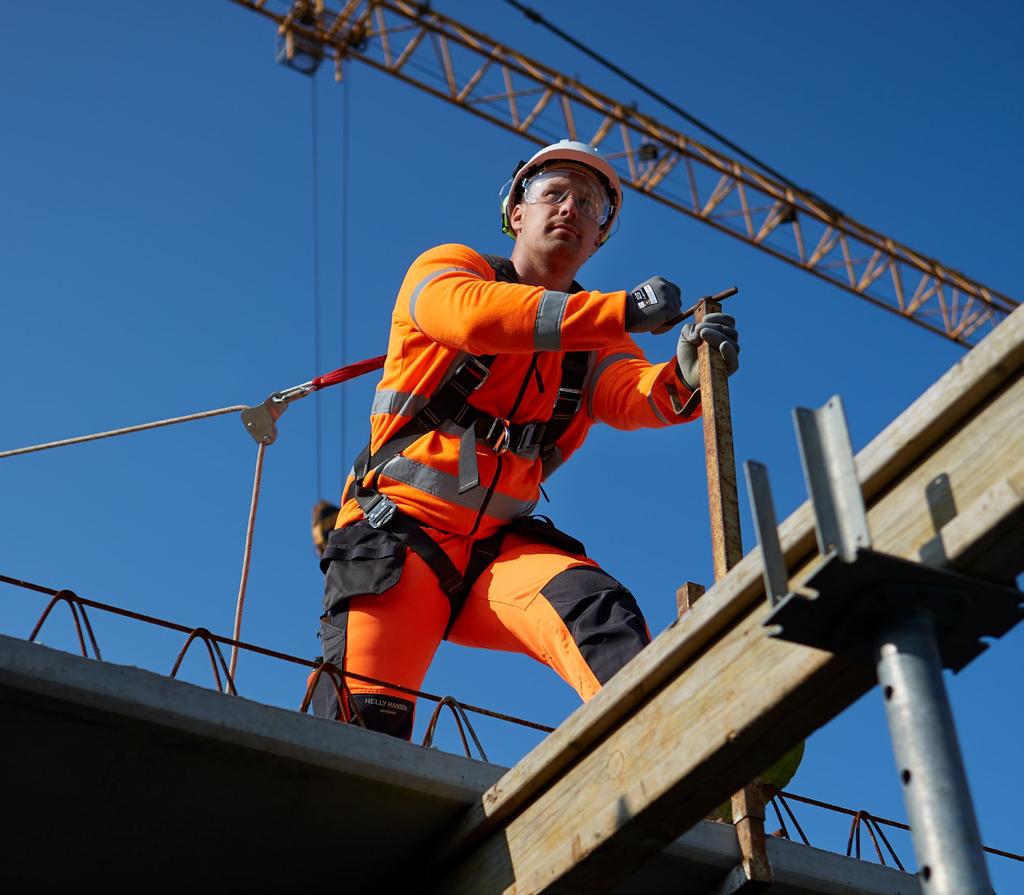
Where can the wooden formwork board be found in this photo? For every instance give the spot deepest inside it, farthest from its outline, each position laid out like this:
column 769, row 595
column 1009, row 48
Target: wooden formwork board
column 714, row 700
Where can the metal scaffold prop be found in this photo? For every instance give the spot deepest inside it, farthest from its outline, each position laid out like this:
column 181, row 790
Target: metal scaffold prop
column 911, row 619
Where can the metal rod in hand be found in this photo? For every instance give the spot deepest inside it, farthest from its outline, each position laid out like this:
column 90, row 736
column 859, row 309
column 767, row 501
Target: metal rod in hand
column 942, row 822
column 690, row 311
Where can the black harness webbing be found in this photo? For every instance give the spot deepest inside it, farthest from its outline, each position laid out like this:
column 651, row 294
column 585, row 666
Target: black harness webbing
column 451, row 402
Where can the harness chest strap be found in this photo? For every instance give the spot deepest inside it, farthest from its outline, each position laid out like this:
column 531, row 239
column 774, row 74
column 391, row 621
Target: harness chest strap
column 451, row 403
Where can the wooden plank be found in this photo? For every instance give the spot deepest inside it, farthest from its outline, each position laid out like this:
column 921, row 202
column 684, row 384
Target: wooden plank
column 600, row 793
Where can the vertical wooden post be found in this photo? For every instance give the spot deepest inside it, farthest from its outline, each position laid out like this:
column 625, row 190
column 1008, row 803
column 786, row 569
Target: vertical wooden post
column 727, row 551
column 723, row 502
column 687, row 595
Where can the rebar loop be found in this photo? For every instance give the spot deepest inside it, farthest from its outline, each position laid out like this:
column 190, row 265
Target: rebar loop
column 777, row 800
column 211, row 646
column 341, row 692
column 73, row 601
column 853, row 841
column 125, row 431
column 247, row 554
column 460, row 718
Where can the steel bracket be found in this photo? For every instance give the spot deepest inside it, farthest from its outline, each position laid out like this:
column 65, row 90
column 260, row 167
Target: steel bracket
column 854, row 601
column 856, row 591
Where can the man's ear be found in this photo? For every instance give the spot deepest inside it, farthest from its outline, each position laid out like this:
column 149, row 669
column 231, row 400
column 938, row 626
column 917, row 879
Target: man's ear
column 515, row 219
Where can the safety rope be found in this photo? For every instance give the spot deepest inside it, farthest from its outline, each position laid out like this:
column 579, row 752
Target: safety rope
column 246, row 557
column 125, row 431
column 271, row 409
column 350, row 371
column 342, row 374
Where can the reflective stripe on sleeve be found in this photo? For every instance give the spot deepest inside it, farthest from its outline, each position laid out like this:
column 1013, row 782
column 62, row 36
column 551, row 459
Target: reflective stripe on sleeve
column 446, row 486
column 598, row 373
column 402, row 403
column 423, row 284
column 547, row 328
column 655, row 410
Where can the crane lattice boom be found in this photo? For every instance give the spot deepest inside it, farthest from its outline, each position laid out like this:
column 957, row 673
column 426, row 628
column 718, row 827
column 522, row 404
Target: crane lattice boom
column 453, row 62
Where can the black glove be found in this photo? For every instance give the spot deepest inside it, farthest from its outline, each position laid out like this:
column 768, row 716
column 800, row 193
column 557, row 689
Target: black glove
column 651, row 304
column 719, row 331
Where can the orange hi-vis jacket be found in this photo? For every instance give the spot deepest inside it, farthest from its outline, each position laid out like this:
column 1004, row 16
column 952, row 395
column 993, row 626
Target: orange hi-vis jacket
column 450, row 305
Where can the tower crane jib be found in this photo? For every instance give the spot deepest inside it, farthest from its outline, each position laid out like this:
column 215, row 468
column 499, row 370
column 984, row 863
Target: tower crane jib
column 453, row 62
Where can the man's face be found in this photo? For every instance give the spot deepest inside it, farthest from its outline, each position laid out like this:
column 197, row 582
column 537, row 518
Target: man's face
column 559, row 215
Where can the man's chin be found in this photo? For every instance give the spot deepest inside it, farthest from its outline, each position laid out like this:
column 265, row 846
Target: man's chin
column 563, row 248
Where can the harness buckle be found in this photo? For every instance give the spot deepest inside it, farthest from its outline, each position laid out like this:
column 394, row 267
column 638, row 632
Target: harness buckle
column 475, row 369
column 499, row 436
column 529, row 435
column 380, row 513
column 570, row 399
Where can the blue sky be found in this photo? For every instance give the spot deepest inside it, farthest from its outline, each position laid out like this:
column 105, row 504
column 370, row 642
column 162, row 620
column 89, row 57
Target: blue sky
column 157, row 258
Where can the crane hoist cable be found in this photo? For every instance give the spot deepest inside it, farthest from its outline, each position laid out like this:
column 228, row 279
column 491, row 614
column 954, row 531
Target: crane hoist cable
column 315, row 182
column 344, row 191
column 538, row 19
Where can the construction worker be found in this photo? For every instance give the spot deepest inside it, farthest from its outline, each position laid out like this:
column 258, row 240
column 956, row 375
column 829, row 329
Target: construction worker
column 496, row 370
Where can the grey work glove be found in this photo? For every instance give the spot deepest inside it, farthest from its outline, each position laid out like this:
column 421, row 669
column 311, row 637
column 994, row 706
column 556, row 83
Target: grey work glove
column 719, row 331
column 651, row 304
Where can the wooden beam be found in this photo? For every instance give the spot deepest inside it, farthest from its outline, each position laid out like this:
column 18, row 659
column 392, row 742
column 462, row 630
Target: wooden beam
column 713, row 700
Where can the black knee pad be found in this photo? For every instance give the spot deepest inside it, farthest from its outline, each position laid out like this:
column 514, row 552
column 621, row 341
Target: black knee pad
column 601, row 614
column 385, row 714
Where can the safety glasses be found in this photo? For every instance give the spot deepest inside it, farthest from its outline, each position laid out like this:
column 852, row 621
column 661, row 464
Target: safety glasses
column 554, row 186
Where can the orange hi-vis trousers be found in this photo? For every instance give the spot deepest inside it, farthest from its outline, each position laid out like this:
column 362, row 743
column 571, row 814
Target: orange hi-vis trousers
column 535, row 598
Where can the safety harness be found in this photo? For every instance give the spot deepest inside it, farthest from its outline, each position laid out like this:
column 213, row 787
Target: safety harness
column 451, row 404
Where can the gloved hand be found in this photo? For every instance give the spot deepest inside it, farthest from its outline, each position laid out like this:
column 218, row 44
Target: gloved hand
column 719, row 331
column 651, row 304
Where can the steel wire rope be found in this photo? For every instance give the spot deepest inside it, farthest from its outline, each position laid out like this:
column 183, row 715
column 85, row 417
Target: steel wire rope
column 538, row 19
column 344, row 195
column 237, row 408
column 315, row 184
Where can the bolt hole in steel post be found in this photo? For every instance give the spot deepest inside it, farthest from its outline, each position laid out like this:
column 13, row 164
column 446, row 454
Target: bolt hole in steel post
column 944, row 829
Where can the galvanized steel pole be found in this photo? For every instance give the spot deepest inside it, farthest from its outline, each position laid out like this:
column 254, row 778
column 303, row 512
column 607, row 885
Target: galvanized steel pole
column 943, row 826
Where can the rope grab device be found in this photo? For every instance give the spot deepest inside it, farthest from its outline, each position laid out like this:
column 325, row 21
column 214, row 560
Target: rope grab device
column 261, row 421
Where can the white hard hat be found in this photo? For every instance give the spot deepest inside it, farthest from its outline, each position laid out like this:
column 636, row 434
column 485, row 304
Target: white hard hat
column 563, row 151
